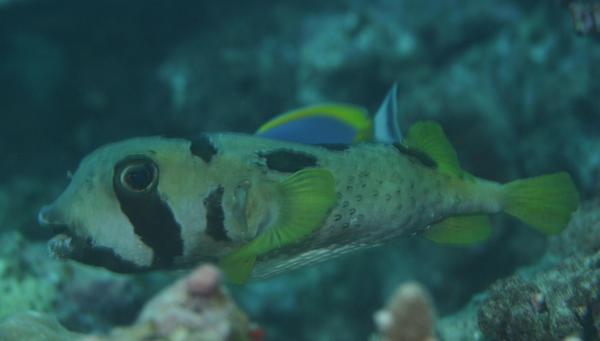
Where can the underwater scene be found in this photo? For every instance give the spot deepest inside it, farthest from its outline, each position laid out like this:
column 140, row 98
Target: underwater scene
column 300, row 170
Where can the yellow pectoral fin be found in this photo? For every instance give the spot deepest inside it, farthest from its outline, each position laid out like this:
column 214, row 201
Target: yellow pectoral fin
column 307, row 197
column 460, row 230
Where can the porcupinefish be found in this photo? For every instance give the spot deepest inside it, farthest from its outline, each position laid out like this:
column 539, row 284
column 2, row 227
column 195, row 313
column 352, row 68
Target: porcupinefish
column 310, row 185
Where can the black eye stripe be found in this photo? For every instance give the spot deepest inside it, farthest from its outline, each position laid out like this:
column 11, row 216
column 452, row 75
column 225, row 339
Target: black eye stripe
column 151, row 217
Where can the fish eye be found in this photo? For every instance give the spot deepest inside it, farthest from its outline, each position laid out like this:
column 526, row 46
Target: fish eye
column 139, row 176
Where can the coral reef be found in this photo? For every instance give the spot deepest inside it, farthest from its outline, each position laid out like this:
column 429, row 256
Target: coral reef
column 196, row 307
column 462, row 325
column 552, row 302
column 555, row 299
column 553, row 305
column 32, row 326
column 408, row 316
column 586, row 16
column 21, row 294
column 78, row 307
column 21, row 284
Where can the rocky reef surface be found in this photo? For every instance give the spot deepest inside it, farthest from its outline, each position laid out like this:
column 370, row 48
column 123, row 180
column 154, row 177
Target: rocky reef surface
column 514, row 87
column 556, row 299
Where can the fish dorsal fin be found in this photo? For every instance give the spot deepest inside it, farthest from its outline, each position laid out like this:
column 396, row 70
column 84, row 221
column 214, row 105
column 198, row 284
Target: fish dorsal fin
column 387, row 119
column 320, row 124
column 460, row 230
column 307, row 196
column 429, row 138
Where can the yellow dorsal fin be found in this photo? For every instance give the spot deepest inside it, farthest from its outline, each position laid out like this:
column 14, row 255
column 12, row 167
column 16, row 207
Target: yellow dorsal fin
column 308, row 195
column 460, row 230
column 429, row 138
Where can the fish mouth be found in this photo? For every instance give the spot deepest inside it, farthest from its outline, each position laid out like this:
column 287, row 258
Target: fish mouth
column 66, row 245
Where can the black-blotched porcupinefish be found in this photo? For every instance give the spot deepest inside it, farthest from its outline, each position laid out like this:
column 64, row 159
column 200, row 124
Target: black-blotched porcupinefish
column 310, row 185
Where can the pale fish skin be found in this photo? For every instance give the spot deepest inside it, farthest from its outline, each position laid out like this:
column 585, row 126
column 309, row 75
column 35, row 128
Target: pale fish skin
column 382, row 192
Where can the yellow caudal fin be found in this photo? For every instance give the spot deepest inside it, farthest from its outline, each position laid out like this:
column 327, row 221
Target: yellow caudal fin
column 307, row 197
column 429, row 138
column 545, row 202
column 460, row 230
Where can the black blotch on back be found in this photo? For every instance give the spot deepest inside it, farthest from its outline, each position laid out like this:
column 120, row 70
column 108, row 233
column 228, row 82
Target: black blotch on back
column 215, row 216
column 339, row 147
column 150, row 216
column 418, row 155
column 203, row 148
column 288, row 161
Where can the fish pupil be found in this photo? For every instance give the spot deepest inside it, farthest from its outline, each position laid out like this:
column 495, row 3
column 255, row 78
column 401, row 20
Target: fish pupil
column 139, row 177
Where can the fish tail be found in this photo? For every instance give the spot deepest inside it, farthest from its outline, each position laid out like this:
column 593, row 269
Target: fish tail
column 545, row 202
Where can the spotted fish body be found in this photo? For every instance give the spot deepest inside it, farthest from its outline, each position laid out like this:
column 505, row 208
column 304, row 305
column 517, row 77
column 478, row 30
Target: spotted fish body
column 381, row 193
column 260, row 206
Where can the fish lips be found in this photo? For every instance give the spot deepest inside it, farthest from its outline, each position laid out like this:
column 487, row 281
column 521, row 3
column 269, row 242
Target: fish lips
column 68, row 245
column 65, row 243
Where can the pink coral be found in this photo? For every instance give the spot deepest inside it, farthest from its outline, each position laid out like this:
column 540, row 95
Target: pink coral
column 196, row 307
column 408, row 316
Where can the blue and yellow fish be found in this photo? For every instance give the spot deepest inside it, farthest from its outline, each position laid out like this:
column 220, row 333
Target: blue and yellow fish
column 310, row 185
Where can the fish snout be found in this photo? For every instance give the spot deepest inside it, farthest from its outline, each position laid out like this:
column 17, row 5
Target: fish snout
column 49, row 215
column 63, row 244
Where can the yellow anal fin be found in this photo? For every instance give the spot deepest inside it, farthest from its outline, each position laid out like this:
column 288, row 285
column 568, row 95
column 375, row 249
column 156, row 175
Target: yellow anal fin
column 460, row 230
column 238, row 266
column 307, row 197
column 429, row 138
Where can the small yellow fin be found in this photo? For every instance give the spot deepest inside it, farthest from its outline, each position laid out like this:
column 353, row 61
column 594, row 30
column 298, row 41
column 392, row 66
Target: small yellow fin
column 545, row 202
column 460, row 230
column 308, row 195
column 238, row 266
column 429, row 138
